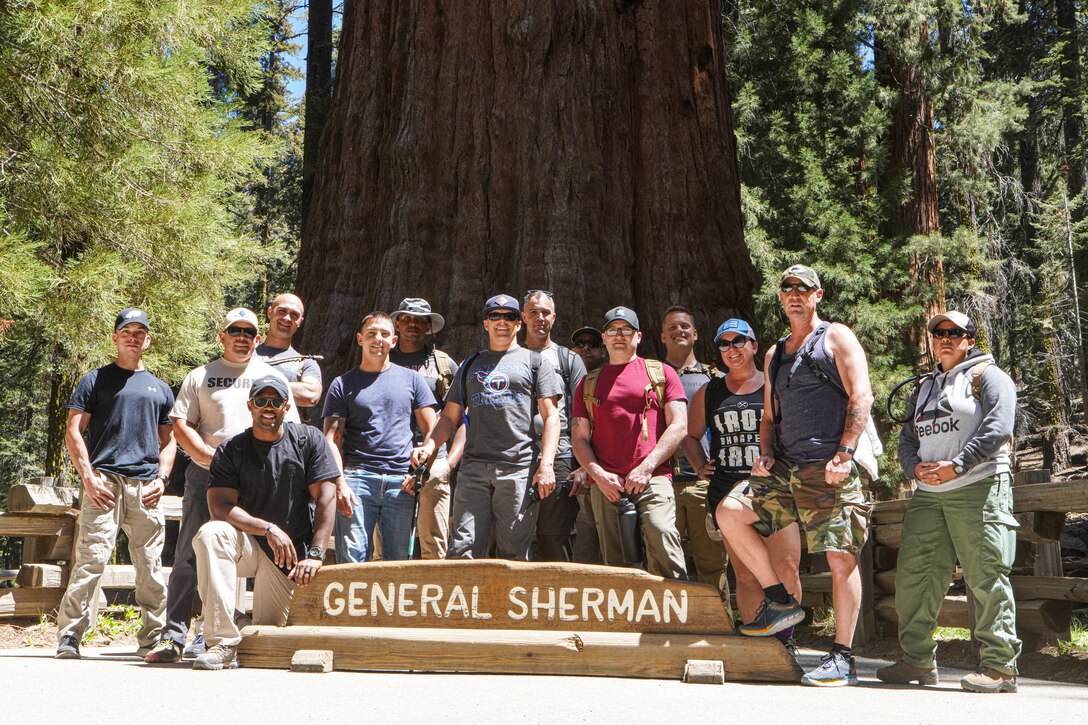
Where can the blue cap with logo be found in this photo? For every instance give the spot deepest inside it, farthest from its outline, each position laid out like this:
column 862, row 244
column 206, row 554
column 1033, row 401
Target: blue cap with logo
column 129, row 315
column 501, row 302
column 736, row 325
column 621, row 313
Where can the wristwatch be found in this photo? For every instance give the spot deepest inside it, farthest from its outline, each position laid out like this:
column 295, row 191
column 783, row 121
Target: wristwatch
column 315, row 552
column 845, row 449
column 958, row 469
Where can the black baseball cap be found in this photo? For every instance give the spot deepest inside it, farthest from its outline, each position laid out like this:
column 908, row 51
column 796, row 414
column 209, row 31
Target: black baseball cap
column 621, row 313
column 275, row 382
column 129, row 315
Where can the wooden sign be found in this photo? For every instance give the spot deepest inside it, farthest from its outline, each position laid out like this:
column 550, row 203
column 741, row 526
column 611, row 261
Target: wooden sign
column 499, row 594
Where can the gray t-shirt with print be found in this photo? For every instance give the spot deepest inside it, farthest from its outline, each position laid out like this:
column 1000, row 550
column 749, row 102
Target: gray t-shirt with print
column 498, row 403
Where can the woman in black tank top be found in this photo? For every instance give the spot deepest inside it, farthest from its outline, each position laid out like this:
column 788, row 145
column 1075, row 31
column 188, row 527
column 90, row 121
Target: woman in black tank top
column 729, row 410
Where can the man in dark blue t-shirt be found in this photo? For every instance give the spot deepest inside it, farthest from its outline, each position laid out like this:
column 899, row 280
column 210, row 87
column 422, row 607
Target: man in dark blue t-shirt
column 259, row 491
column 127, row 455
column 368, row 421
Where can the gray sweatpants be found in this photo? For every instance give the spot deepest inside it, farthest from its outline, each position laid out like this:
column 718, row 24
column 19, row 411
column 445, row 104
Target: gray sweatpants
column 491, row 497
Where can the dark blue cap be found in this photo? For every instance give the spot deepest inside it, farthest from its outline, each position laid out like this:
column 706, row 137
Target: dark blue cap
column 502, row 302
column 129, row 315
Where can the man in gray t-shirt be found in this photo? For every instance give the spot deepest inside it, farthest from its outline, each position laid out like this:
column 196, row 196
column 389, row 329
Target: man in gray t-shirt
column 494, row 393
column 285, row 316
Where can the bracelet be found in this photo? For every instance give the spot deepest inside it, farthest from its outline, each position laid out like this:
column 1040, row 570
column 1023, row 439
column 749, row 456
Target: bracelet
column 846, row 449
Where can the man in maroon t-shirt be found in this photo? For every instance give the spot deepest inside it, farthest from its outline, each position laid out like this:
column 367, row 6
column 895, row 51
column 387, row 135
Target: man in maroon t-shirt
column 626, row 448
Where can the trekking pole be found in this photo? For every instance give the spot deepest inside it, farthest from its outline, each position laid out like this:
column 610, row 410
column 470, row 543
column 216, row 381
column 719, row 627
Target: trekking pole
column 420, row 476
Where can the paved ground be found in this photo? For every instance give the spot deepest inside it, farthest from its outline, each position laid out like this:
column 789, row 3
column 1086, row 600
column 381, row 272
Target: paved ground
column 111, row 686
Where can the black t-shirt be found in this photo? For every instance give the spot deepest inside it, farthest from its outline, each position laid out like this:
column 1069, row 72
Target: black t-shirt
column 127, row 407
column 273, row 479
column 733, row 423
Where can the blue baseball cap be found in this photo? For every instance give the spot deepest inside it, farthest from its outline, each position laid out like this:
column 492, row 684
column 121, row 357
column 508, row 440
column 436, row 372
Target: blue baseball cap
column 502, row 302
column 735, row 325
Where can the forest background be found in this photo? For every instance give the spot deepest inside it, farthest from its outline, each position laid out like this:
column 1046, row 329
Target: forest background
column 921, row 154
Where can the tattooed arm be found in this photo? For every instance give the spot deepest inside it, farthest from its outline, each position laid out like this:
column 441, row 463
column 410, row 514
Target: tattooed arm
column 854, row 370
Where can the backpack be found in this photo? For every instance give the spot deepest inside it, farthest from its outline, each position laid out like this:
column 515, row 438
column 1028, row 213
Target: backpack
column 654, row 370
column 444, row 364
column 869, row 443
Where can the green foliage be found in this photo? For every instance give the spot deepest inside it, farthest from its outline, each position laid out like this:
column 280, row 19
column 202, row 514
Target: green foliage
column 125, row 159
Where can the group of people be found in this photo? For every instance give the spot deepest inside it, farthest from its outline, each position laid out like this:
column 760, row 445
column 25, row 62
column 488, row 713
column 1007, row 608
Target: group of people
column 554, row 451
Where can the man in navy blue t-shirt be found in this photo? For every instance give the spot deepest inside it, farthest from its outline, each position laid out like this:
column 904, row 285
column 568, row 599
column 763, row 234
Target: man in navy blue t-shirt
column 123, row 410
column 368, row 415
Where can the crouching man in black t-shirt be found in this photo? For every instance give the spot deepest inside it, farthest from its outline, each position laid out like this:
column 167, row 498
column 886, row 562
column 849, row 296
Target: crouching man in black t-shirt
column 259, row 495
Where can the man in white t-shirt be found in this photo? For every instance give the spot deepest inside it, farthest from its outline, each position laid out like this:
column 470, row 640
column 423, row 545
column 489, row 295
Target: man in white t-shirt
column 210, row 409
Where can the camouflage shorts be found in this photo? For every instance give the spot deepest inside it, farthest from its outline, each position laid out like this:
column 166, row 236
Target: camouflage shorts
column 834, row 517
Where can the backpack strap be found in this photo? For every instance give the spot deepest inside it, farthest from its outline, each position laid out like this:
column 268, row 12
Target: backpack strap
column 464, row 384
column 656, row 372
column 976, row 378
column 716, row 392
column 589, row 387
column 444, row 364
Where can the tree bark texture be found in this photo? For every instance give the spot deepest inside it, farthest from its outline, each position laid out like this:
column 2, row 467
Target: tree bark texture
column 318, row 90
column 584, row 147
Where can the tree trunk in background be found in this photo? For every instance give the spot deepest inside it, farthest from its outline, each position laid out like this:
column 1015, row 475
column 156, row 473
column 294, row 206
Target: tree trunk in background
column 913, row 157
column 472, row 149
column 318, row 91
column 1049, row 402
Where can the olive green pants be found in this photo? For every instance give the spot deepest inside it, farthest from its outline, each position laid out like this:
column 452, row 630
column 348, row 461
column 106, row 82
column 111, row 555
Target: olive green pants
column 973, row 524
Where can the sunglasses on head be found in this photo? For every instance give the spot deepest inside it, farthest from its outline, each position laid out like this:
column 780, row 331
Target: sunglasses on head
column 508, row 316
column 737, row 342
column 800, row 287
column 235, row 331
column 954, row 332
column 587, row 342
column 263, row 401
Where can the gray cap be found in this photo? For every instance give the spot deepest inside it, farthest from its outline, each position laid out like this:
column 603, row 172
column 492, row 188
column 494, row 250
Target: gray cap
column 621, row 313
column 275, row 382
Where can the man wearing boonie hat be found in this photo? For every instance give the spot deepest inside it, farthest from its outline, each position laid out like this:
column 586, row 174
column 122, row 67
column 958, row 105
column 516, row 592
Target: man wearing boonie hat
column 124, row 461
column 211, row 407
column 494, row 393
column 416, row 325
column 259, row 491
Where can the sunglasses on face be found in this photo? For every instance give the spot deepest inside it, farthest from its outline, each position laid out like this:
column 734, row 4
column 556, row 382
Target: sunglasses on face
column 625, row 331
column 955, row 333
column 587, row 342
column 248, row 332
column 737, row 342
column 802, row 288
column 262, row 401
column 508, row 316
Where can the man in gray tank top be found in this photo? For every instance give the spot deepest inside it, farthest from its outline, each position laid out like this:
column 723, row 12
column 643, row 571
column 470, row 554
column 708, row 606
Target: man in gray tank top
column 817, row 402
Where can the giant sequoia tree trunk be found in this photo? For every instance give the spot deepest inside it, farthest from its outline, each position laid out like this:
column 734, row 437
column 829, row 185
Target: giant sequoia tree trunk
column 582, row 147
column 318, row 90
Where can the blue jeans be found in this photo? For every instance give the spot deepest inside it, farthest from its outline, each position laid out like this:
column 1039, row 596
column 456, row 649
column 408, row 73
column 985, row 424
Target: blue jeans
column 381, row 502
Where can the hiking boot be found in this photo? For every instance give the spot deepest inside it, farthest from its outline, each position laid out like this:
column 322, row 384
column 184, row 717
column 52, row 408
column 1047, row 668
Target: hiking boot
column 835, row 670
column 218, row 657
column 166, row 650
column 195, row 648
column 772, row 618
column 68, row 648
column 902, row 673
column 989, row 680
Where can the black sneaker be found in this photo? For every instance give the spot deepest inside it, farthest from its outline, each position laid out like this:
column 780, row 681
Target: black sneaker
column 68, row 648
column 772, row 618
column 167, row 650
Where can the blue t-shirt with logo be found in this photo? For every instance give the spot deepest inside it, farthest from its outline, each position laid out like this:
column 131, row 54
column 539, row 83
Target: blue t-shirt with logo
column 377, row 409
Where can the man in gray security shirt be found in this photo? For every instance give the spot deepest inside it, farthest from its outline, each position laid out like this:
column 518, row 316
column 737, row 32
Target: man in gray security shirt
column 494, row 393
column 559, row 511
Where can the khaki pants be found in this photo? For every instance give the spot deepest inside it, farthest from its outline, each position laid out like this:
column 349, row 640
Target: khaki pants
column 433, row 524
column 708, row 555
column 97, row 534
column 657, row 522
column 223, row 554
